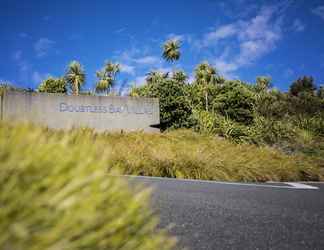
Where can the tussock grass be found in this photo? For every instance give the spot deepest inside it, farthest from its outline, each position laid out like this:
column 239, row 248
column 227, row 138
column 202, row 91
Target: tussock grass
column 55, row 194
column 185, row 154
column 177, row 154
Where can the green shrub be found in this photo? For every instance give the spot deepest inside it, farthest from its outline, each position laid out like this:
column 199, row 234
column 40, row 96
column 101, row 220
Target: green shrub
column 53, row 85
column 271, row 132
column 205, row 121
column 55, row 194
column 175, row 111
column 230, row 129
column 236, row 101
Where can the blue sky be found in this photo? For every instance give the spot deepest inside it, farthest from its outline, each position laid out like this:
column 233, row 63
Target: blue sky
column 241, row 38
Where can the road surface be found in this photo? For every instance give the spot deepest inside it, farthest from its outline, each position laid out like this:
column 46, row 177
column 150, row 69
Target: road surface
column 216, row 215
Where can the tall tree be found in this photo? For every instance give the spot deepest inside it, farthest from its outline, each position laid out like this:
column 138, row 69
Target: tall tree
column 302, row 85
column 171, row 50
column 75, row 76
column 320, row 92
column 263, row 83
column 53, row 85
column 154, row 77
column 107, row 77
column 179, row 76
column 205, row 74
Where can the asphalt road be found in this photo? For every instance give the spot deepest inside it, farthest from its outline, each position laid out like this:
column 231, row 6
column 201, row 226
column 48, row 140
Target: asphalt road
column 207, row 215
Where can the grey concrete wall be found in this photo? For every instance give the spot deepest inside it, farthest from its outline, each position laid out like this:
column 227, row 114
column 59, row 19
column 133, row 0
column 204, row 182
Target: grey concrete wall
column 98, row 112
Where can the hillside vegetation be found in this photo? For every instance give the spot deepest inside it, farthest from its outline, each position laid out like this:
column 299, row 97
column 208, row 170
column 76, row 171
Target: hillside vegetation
column 269, row 134
column 179, row 154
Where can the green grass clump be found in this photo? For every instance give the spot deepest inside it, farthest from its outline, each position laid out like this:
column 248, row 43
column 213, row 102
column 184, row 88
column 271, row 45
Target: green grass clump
column 185, row 154
column 55, row 194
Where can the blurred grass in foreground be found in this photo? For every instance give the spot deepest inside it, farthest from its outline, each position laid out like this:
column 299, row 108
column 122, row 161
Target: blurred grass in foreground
column 55, row 194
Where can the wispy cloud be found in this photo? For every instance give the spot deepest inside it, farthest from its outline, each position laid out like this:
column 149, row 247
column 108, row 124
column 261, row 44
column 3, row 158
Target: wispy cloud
column 219, row 33
column 139, row 80
column 121, row 30
column 298, row 25
column 253, row 39
column 319, row 11
column 43, row 46
column 178, row 37
column 17, row 55
column 128, row 69
column 37, row 77
column 23, row 65
column 147, row 60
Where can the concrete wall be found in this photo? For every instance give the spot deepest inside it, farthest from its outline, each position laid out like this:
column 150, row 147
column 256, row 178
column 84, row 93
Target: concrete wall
column 98, row 112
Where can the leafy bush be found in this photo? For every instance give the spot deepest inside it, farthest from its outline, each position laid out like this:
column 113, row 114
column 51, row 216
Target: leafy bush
column 302, row 85
column 271, row 132
column 204, row 121
column 235, row 101
column 55, row 194
column 53, row 85
column 175, row 111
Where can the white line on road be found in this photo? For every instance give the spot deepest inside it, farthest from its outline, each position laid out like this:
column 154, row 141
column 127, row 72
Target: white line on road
column 301, row 185
column 292, row 185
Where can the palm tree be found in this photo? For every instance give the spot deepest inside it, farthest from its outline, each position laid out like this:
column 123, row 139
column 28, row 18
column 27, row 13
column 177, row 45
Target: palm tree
column 205, row 74
column 107, row 77
column 171, row 50
column 75, row 76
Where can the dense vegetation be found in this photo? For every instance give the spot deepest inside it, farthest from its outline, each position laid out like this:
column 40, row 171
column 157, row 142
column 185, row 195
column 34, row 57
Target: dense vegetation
column 55, row 194
column 250, row 113
column 241, row 112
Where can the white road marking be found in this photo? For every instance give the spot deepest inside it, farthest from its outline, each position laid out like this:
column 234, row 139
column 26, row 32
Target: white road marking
column 301, row 185
column 292, row 185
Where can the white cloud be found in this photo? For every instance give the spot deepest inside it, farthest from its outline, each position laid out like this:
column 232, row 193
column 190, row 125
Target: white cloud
column 298, row 25
column 177, row 37
column 140, row 80
column 221, row 32
column 127, row 69
column 42, row 47
column 253, row 39
column 191, row 78
column 121, row 30
column 226, row 68
column 37, row 77
column 164, row 69
column 319, row 11
column 147, row 60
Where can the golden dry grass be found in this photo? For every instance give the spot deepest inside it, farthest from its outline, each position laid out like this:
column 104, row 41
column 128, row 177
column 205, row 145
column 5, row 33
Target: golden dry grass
column 55, row 194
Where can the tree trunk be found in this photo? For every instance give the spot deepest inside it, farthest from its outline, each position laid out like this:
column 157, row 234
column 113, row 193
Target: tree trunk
column 76, row 88
column 206, row 99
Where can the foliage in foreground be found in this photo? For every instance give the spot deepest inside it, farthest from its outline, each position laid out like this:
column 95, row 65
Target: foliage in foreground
column 55, row 194
column 179, row 154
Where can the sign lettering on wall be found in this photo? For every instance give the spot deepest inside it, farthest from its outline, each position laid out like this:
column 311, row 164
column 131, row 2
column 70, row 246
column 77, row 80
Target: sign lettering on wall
column 144, row 109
